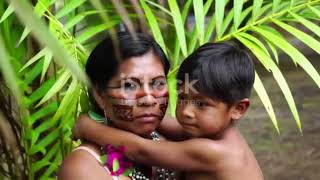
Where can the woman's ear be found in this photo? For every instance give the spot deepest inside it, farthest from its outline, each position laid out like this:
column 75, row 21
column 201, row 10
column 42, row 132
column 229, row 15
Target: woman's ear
column 98, row 98
column 239, row 109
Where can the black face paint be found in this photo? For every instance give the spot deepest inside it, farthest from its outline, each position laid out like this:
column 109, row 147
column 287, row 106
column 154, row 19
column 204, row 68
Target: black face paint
column 123, row 108
column 123, row 112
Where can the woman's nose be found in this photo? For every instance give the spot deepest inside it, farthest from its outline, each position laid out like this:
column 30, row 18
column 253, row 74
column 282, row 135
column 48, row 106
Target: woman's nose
column 147, row 100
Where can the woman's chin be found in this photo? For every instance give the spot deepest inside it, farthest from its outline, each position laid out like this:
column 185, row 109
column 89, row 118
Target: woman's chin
column 145, row 132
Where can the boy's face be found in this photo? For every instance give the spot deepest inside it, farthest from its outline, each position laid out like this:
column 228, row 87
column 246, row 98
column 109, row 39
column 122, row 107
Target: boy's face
column 200, row 115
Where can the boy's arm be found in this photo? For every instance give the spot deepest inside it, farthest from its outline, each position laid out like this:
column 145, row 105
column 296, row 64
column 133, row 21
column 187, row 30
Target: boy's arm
column 171, row 129
column 191, row 155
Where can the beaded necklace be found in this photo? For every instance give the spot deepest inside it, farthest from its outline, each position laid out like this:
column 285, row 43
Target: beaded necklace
column 161, row 173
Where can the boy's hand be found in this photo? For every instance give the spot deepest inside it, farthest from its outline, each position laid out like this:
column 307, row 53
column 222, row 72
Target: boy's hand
column 79, row 126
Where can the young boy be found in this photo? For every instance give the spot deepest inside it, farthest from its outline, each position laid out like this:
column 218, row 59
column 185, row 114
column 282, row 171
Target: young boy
column 217, row 80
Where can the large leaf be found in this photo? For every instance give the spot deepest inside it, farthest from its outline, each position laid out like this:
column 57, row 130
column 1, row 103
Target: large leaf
column 92, row 31
column 44, row 36
column 8, row 72
column 69, row 7
column 7, row 13
column 296, row 55
column 304, row 37
column 308, row 24
column 177, row 20
column 47, row 158
column 46, row 64
column 36, row 57
column 153, row 24
column 39, row 9
column 59, row 84
column 44, row 142
column 176, row 54
column 193, row 41
column 43, row 112
column 199, row 16
column 219, row 14
column 39, row 93
column 237, row 6
column 269, row 64
column 256, row 8
column 72, row 91
column 315, row 11
column 262, row 93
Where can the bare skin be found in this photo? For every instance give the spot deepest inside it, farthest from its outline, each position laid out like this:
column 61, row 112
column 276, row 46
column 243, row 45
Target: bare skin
column 142, row 109
column 82, row 166
column 216, row 150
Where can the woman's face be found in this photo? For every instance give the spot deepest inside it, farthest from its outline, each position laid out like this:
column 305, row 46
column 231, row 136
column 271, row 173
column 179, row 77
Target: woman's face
column 136, row 97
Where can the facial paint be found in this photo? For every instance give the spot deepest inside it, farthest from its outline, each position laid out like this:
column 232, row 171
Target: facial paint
column 123, row 108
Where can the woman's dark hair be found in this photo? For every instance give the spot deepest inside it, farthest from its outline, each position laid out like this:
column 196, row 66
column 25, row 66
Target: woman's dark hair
column 103, row 64
column 223, row 71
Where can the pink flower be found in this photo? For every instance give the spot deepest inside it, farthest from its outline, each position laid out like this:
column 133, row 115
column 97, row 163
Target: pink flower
column 117, row 154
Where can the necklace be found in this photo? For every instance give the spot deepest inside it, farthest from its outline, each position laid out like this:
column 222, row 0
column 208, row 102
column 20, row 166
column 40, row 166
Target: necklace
column 161, row 173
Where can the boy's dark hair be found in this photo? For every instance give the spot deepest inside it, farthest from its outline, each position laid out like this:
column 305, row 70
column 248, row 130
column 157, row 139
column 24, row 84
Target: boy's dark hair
column 102, row 63
column 223, row 70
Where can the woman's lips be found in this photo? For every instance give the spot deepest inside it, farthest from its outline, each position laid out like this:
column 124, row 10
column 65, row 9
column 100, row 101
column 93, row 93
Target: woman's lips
column 148, row 118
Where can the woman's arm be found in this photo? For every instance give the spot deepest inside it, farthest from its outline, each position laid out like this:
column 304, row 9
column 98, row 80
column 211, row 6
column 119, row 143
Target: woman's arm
column 190, row 155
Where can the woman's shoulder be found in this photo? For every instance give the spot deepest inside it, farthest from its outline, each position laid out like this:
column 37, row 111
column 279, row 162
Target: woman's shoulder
column 81, row 164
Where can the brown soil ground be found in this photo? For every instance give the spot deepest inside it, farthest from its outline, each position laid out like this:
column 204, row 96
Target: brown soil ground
column 290, row 155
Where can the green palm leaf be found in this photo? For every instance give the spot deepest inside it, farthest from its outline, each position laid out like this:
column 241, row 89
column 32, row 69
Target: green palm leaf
column 296, row 55
column 69, row 7
column 59, row 84
column 310, row 25
column 199, row 16
column 262, row 93
column 8, row 72
column 270, row 65
column 237, row 13
column 219, row 14
column 256, row 8
column 177, row 20
column 42, row 34
column 153, row 24
column 7, row 13
column 307, row 39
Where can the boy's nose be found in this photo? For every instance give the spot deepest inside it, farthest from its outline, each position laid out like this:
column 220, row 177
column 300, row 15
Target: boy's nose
column 188, row 112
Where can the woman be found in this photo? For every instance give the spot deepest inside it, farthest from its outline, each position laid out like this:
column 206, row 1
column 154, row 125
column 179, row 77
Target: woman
column 132, row 93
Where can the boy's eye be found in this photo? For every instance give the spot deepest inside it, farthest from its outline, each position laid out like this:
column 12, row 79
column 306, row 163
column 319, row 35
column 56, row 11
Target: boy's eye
column 182, row 97
column 201, row 104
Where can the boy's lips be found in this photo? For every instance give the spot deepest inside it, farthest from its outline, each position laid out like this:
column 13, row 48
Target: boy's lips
column 188, row 124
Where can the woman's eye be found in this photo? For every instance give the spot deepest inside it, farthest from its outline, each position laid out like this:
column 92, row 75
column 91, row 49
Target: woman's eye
column 159, row 84
column 130, row 86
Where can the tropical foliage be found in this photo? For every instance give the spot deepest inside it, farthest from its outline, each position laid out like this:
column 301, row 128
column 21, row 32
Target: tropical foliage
column 44, row 45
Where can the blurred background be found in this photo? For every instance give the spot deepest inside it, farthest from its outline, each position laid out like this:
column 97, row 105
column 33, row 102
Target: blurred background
column 44, row 45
